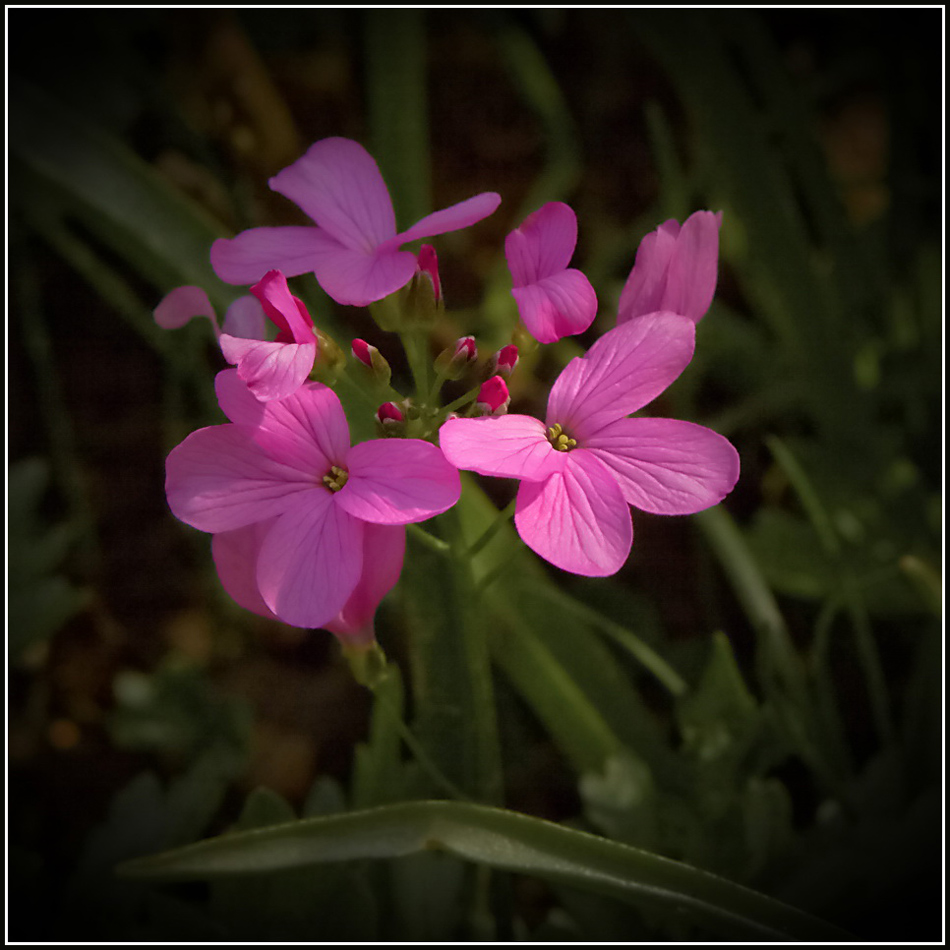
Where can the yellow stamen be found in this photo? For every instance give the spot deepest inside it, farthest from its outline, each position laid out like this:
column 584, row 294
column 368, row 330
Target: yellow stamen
column 336, row 478
column 560, row 439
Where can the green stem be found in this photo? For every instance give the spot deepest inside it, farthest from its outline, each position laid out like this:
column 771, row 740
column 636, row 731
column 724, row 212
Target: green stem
column 430, row 540
column 503, row 517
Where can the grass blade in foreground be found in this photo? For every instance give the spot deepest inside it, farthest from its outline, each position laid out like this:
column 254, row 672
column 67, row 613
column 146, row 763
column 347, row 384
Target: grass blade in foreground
column 502, row 839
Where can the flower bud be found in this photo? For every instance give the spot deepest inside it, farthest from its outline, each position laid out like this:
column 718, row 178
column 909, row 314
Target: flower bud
column 330, row 359
column 503, row 363
column 493, row 398
column 373, row 360
column 390, row 420
column 421, row 299
column 452, row 362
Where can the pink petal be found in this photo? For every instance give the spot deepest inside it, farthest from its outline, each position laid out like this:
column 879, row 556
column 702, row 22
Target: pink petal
column 245, row 319
column 181, row 304
column 398, row 481
column 384, row 547
column 287, row 312
column 624, row 370
column 307, row 430
column 694, row 266
column 235, row 556
column 246, row 258
column 557, row 306
column 454, row 218
column 666, row 466
column 357, row 278
column 310, row 561
column 511, row 446
column 337, row 183
column 644, row 289
column 577, row 519
column 270, row 370
column 543, row 245
column 218, row 480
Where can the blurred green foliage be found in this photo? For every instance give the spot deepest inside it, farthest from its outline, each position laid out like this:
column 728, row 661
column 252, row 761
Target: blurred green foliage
column 759, row 698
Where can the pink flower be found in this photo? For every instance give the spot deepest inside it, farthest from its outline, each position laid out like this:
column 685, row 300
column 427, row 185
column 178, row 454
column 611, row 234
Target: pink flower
column 675, row 269
column 283, row 473
column 584, row 466
column 354, row 250
column 554, row 300
column 244, row 317
column 274, row 370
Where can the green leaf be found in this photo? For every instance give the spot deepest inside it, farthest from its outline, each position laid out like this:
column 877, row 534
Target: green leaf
column 501, row 839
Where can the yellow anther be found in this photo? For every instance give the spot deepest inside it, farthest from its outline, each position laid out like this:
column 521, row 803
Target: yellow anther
column 560, row 439
column 336, row 478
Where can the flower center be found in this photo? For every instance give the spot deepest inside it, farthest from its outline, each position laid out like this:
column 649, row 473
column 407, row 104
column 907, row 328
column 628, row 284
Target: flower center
column 336, row 478
column 560, row 439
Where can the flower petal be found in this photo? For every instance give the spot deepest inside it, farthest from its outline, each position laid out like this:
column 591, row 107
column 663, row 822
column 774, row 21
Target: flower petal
column 384, row 547
column 271, row 370
column 543, row 245
column 624, row 370
column 235, row 556
column 338, row 184
column 667, row 466
column 358, row 278
column 646, row 284
column 454, row 218
column 577, row 519
column 512, row 446
column 694, row 266
column 310, row 561
column 245, row 319
column 178, row 306
column 557, row 306
column 247, row 257
column 286, row 312
column 218, row 480
column 398, row 481
column 307, row 430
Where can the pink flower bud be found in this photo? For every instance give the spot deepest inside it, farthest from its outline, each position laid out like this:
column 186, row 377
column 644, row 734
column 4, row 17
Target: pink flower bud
column 390, row 411
column 505, row 360
column 493, row 397
column 429, row 264
column 466, row 349
column 363, row 351
column 453, row 362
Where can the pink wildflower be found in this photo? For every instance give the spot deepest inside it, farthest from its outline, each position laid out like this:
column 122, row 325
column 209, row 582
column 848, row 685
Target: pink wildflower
column 554, row 300
column 244, row 317
column 354, row 250
column 584, row 466
column 284, row 474
column 675, row 269
column 274, row 370
column 493, row 397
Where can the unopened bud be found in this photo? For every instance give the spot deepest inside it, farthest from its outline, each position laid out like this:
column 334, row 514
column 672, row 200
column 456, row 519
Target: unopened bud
column 373, row 360
column 421, row 299
column 389, row 420
column 330, row 359
column 493, row 398
column 453, row 361
column 504, row 361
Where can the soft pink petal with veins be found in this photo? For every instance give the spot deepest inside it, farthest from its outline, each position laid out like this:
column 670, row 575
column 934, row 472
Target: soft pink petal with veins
column 310, row 561
column 384, row 547
column 178, row 306
column 557, row 306
column 218, row 480
column 247, row 257
column 245, row 318
column 543, row 245
column 577, row 519
column 287, row 312
column 643, row 292
column 398, row 481
column 235, row 556
column 454, row 218
column 624, row 370
column 694, row 266
column 271, row 370
column 667, row 466
column 512, row 446
column 358, row 278
column 338, row 184
column 307, row 430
